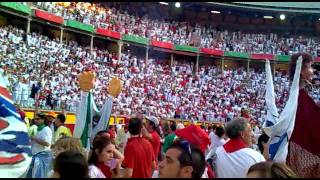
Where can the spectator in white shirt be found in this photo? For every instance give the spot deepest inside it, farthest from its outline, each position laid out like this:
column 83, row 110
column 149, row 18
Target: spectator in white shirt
column 41, row 163
column 217, row 140
column 235, row 157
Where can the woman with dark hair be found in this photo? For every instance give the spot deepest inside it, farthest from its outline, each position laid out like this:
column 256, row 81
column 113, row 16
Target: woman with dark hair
column 105, row 159
column 270, row 170
column 304, row 145
column 70, row 164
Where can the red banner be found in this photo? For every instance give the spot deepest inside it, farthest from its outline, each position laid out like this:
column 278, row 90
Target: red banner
column 48, row 16
column 161, row 44
column 270, row 21
column 230, row 18
column 262, row 56
column 256, row 20
column 106, row 32
column 211, row 51
column 317, row 59
column 216, row 18
column 244, row 20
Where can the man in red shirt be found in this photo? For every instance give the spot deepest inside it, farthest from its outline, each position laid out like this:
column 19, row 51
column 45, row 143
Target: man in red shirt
column 149, row 132
column 139, row 160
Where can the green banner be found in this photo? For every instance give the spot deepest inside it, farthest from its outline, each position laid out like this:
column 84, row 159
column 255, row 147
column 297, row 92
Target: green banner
column 283, row 58
column 236, row 54
column 186, row 48
column 135, row 39
column 17, row 7
column 79, row 25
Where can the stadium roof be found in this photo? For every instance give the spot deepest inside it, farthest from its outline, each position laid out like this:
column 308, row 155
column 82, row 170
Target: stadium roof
column 297, row 7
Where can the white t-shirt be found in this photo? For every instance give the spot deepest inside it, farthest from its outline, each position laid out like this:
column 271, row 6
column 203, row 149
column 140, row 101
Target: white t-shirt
column 215, row 143
column 46, row 135
column 236, row 164
column 95, row 172
column 215, row 140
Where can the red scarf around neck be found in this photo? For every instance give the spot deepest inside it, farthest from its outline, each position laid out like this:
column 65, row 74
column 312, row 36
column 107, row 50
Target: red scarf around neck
column 105, row 169
column 234, row 145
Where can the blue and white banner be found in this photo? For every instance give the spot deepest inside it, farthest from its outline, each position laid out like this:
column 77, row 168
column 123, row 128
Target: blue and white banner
column 281, row 131
column 15, row 148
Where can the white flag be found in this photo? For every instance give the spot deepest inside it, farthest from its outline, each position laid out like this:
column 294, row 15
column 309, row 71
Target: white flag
column 282, row 130
column 272, row 111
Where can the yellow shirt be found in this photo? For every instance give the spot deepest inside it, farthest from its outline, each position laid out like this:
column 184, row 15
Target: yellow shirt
column 62, row 131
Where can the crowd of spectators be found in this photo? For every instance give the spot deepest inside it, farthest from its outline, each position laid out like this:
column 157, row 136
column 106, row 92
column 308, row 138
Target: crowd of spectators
column 142, row 152
column 182, row 32
column 44, row 71
column 38, row 66
column 40, row 71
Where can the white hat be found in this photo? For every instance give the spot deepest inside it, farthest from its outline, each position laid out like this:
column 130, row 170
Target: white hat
column 153, row 119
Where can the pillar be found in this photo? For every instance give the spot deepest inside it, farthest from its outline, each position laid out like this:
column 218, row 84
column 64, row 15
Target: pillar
column 61, row 35
column 222, row 64
column 171, row 62
column 147, row 59
column 120, row 44
column 197, row 63
column 91, row 43
column 28, row 25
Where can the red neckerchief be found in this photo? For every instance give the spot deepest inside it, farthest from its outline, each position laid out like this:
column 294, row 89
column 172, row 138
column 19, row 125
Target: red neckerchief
column 234, row 145
column 105, row 169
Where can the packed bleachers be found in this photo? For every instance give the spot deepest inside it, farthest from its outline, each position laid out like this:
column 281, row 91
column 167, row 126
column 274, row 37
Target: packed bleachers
column 160, row 90
column 181, row 32
column 42, row 73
